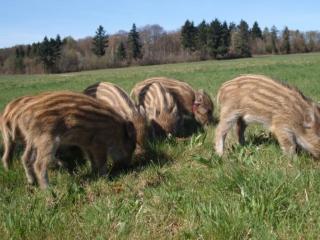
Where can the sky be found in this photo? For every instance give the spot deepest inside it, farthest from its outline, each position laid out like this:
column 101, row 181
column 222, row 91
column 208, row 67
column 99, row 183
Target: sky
column 27, row 21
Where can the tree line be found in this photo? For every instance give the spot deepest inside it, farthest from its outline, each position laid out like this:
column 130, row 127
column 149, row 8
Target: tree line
column 151, row 44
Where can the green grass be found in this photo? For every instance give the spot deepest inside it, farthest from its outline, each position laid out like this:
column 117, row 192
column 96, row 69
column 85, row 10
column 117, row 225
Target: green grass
column 184, row 191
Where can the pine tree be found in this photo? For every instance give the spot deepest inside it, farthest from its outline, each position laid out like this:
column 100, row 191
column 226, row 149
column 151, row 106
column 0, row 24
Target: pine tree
column 225, row 39
column 49, row 52
column 121, row 52
column 100, row 42
column 241, row 40
column 285, row 46
column 35, row 49
column 267, row 40
column 57, row 46
column 256, row 31
column 232, row 27
column 134, row 45
column 28, row 53
column 189, row 36
column 274, row 39
column 202, row 39
column 214, row 37
column 19, row 60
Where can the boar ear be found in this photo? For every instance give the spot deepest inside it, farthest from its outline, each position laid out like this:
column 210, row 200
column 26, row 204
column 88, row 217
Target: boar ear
column 198, row 97
column 130, row 130
column 309, row 119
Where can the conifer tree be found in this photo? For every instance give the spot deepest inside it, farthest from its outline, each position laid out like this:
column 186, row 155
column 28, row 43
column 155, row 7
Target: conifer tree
column 274, row 39
column 225, row 39
column 49, row 52
column 19, row 57
column 134, row 45
column 28, row 53
column 232, row 27
column 214, row 37
column 121, row 52
column 285, row 46
column 202, row 39
column 241, row 41
column 189, row 36
column 256, row 31
column 100, row 42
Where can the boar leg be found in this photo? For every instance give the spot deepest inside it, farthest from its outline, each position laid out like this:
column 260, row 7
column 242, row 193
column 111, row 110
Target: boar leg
column 9, row 146
column 98, row 158
column 223, row 128
column 286, row 140
column 240, row 128
column 28, row 158
column 45, row 154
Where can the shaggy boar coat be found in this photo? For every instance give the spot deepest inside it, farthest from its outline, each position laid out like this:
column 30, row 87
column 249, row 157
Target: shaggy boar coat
column 161, row 109
column 293, row 118
column 116, row 98
column 67, row 118
column 10, row 131
column 190, row 102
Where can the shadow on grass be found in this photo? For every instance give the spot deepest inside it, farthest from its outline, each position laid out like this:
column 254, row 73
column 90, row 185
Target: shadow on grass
column 72, row 159
column 152, row 156
column 189, row 127
column 262, row 138
column 69, row 158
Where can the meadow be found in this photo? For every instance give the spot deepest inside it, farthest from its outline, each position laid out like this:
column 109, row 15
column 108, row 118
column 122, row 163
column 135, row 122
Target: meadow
column 183, row 191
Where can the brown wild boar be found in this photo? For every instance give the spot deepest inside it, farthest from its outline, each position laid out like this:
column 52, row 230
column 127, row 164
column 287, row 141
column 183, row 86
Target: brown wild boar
column 293, row 118
column 161, row 109
column 11, row 133
column 190, row 102
column 67, row 118
column 116, row 98
column 9, row 128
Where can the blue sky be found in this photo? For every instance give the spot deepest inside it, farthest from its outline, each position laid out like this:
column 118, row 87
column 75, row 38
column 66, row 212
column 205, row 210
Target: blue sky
column 27, row 21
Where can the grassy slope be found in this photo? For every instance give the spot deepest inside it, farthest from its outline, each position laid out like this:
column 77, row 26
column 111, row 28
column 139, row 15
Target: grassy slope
column 185, row 191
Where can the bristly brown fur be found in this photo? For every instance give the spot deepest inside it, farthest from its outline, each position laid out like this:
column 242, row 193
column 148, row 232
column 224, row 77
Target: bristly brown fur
column 10, row 129
column 190, row 102
column 291, row 116
column 67, row 118
column 161, row 109
column 115, row 97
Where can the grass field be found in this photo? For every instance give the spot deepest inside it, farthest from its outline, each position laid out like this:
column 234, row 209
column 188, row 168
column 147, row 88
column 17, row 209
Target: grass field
column 184, row 191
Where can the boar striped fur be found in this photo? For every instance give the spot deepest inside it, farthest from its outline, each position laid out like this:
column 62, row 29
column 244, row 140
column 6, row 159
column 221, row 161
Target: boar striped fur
column 10, row 130
column 67, row 118
column 292, row 117
column 116, row 98
column 190, row 102
column 161, row 109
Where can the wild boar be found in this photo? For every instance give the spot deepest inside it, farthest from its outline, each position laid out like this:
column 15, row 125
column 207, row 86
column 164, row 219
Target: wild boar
column 116, row 98
column 11, row 133
column 197, row 104
column 293, row 118
column 161, row 109
column 67, row 118
column 10, row 130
